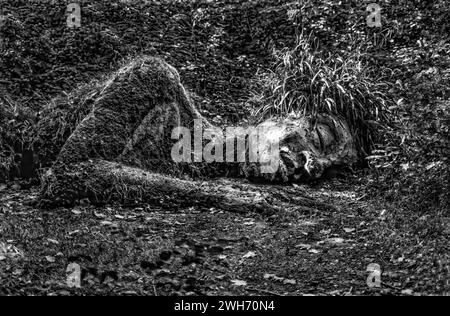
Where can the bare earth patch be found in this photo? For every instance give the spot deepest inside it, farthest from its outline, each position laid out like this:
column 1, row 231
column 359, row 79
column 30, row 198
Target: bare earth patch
column 318, row 245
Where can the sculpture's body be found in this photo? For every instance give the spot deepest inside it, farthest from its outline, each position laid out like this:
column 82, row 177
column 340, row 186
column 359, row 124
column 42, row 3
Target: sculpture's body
column 122, row 149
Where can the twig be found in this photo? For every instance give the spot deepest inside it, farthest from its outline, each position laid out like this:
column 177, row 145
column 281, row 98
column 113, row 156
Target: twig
column 253, row 289
column 154, row 288
column 391, row 286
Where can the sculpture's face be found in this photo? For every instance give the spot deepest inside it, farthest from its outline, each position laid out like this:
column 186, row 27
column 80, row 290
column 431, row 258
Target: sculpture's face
column 307, row 148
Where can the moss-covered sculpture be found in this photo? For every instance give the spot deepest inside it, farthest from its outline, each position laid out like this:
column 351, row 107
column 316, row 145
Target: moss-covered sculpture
column 121, row 151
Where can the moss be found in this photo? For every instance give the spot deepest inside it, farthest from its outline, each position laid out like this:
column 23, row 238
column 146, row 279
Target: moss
column 126, row 99
column 130, row 122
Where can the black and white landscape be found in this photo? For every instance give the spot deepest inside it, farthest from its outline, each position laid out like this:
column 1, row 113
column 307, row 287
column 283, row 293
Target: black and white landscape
column 224, row 148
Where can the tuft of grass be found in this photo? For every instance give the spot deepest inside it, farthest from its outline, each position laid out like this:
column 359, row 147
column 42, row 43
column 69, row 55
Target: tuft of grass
column 307, row 81
column 17, row 122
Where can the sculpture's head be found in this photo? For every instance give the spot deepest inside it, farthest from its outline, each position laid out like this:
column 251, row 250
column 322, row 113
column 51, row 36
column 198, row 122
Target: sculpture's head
column 302, row 148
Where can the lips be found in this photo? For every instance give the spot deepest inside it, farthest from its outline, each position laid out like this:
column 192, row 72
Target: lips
column 302, row 166
column 295, row 164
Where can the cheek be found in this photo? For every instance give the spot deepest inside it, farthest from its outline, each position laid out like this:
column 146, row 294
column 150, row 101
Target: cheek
column 323, row 138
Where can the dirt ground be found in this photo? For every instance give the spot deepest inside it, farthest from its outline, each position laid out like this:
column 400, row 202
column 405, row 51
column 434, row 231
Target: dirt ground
column 320, row 242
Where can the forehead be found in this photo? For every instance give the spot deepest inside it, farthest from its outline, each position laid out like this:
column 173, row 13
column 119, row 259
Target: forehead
column 300, row 134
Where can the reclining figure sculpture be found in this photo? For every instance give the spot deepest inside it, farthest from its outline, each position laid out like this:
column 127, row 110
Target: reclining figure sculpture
column 122, row 151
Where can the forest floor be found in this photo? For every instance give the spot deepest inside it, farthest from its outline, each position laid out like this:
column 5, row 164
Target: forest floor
column 321, row 248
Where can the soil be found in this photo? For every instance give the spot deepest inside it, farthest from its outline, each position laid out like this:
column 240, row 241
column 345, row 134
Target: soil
column 321, row 241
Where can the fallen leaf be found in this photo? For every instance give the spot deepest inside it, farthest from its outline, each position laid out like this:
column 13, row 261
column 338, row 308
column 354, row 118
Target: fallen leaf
column 53, row 241
column 17, row 272
column 289, row 281
column 335, row 292
column 383, row 215
column 349, row 230
column 239, row 283
column 9, row 251
column 50, row 259
column 335, row 240
column 268, row 276
column 106, row 223
column 407, row 292
column 249, row 254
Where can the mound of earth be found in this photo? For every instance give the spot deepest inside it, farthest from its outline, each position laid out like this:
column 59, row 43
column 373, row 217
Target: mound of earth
column 121, row 151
